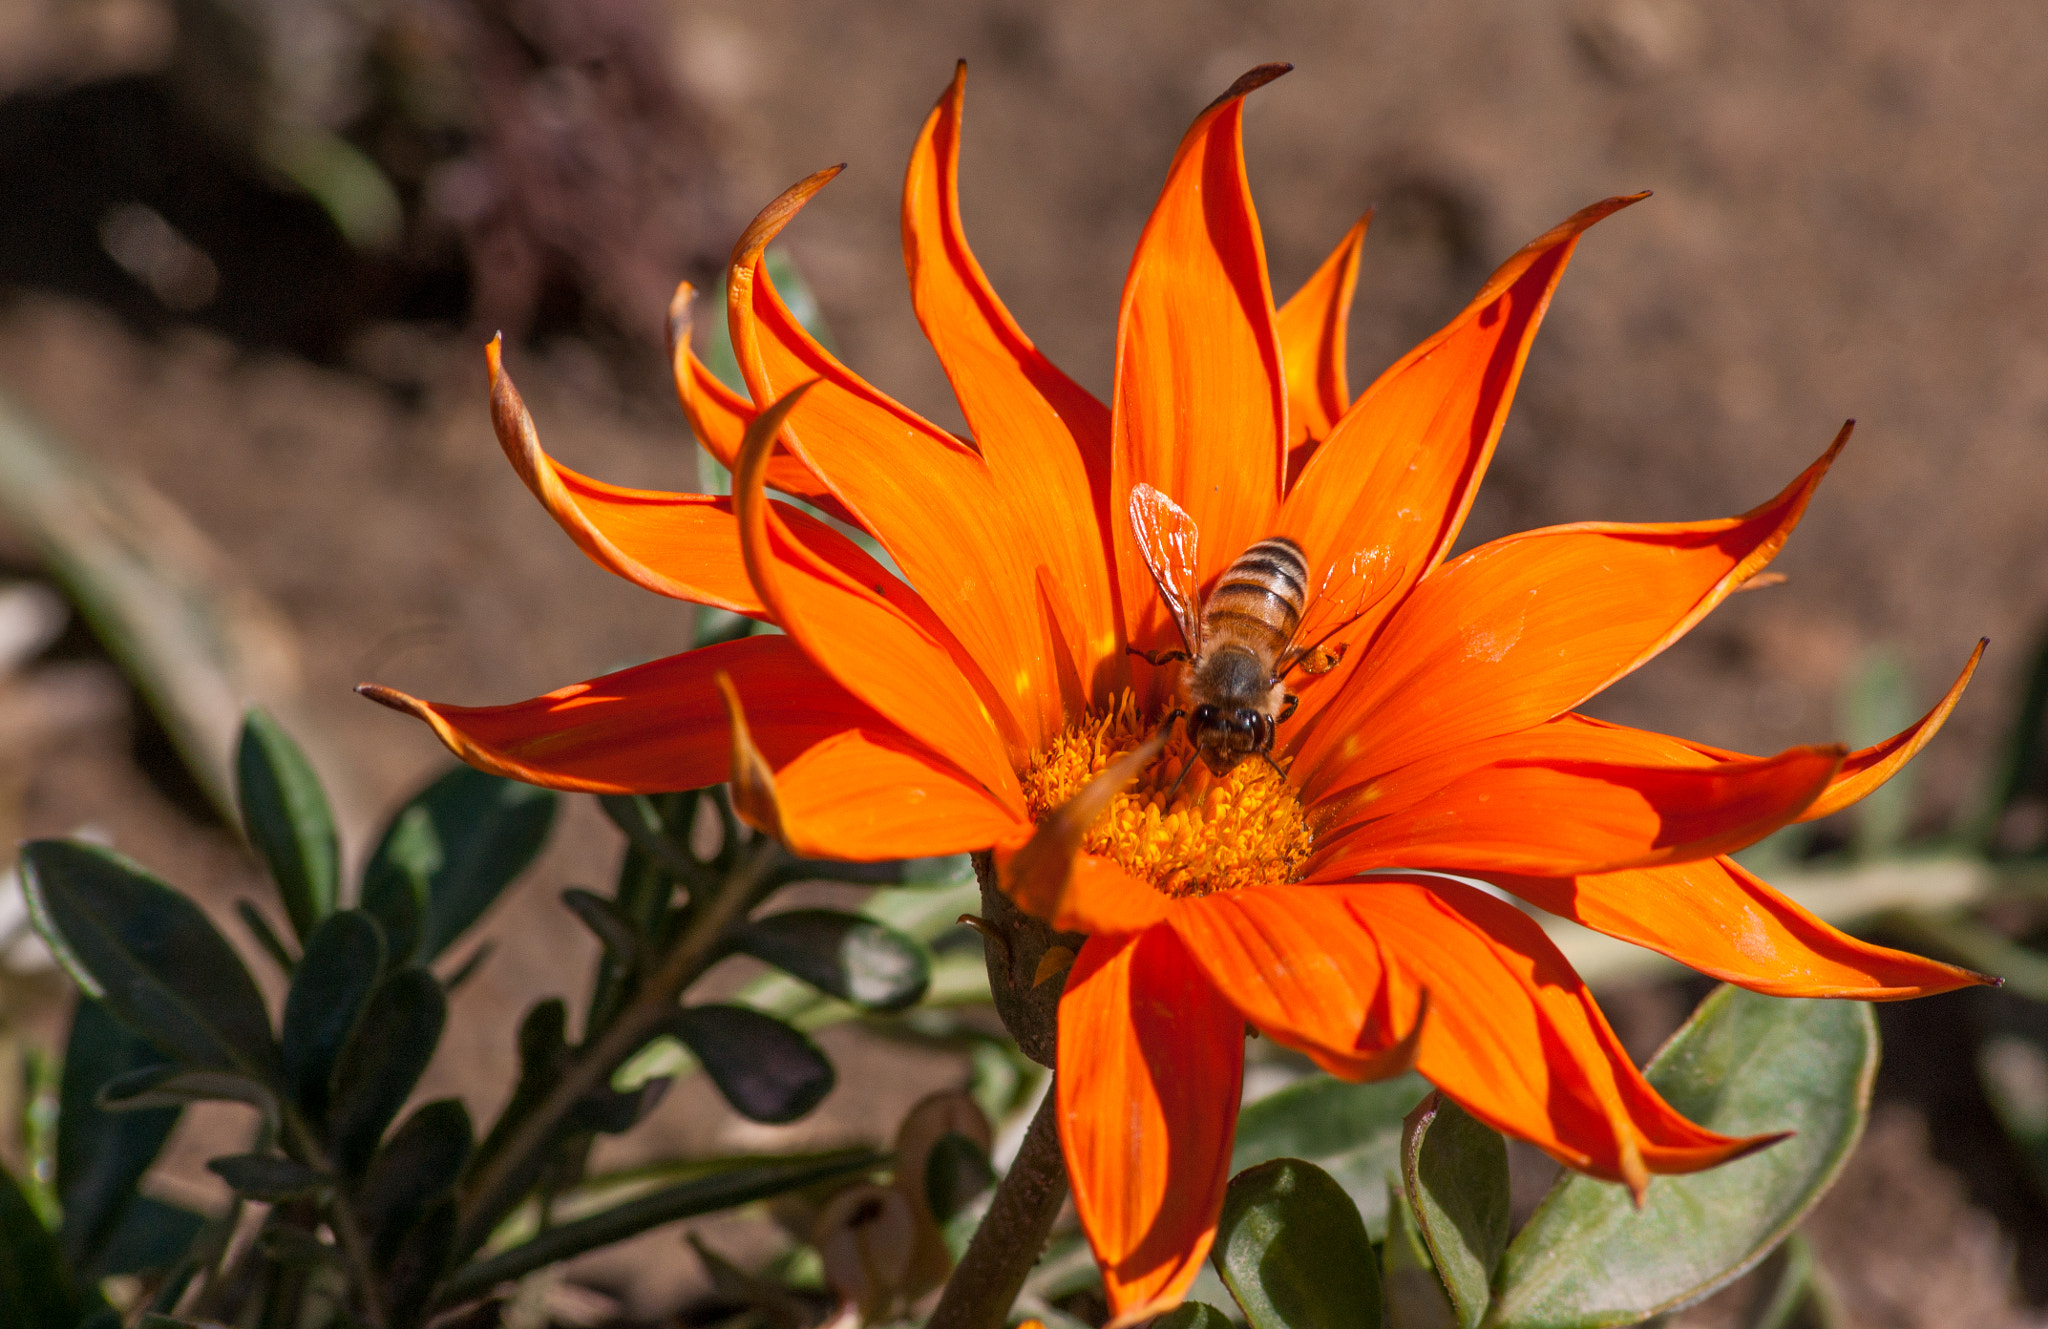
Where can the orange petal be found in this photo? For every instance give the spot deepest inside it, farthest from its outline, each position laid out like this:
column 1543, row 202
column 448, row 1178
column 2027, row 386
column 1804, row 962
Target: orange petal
column 1867, row 768
column 652, row 728
column 1297, row 965
column 719, row 416
column 878, row 639
column 1401, row 466
column 681, row 545
column 1151, row 1064
column 1047, row 876
column 1714, row 916
column 1551, row 817
column 1525, row 628
column 1516, row 1039
column 856, row 796
column 926, row 496
column 1044, row 437
column 1312, row 327
column 1200, row 411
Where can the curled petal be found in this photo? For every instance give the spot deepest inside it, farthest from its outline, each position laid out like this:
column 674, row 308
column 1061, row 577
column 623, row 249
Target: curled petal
column 1151, row 1064
column 1516, row 1039
column 1867, row 768
column 876, row 636
column 1561, row 818
column 753, row 783
column 1047, row 876
column 652, row 728
column 928, row 497
column 1715, row 916
column 1298, row 966
column 1044, row 437
column 719, row 416
column 1401, row 465
column 1523, row 629
column 1312, row 327
column 681, row 545
column 1200, row 411
column 863, row 795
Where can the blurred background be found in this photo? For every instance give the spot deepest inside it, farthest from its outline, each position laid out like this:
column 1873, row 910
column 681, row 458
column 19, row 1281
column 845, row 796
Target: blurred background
column 250, row 251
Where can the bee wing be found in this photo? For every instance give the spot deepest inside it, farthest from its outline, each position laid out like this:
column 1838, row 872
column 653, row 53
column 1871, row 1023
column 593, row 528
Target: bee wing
column 1369, row 579
column 1167, row 538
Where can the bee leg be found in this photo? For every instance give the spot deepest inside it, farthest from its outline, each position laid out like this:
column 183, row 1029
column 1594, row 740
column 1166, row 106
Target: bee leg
column 1177, row 781
column 1287, row 710
column 1157, row 657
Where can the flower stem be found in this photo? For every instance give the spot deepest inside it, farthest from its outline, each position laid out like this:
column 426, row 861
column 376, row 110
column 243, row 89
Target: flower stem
column 1012, row 1236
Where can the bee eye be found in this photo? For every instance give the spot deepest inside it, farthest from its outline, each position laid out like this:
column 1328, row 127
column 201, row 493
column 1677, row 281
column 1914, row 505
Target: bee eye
column 1205, row 714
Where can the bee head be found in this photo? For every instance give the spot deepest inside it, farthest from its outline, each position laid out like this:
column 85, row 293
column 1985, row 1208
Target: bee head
column 1225, row 737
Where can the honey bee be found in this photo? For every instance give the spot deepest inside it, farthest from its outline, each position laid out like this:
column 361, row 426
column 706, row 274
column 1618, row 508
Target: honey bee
column 1239, row 644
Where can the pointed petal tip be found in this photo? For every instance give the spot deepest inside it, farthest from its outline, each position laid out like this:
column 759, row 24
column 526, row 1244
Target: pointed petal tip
column 391, row 697
column 1251, row 81
column 769, row 222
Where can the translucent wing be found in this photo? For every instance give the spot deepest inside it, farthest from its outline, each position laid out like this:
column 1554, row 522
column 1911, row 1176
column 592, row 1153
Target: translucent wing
column 1369, row 579
column 1167, row 538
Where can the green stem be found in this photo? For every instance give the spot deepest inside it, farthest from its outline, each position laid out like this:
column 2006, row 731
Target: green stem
column 501, row 1185
column 1010, row 1239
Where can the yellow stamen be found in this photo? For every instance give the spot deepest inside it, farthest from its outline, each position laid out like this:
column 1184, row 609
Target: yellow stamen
column 1241, row 829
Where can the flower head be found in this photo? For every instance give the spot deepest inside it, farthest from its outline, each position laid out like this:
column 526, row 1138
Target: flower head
column 988, row 698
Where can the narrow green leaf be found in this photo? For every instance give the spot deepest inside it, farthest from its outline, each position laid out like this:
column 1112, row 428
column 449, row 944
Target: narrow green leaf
column 381, row 1063
column 956, row 1173
column 1415, row 1295
column 417, row 1265
column 664, row 839
column 768, row 1071
column 285, row 813
column 611, row 928
column 464, row 837
column 1293, row 1251
column 1193, row 1315
column 261, row 932
column 101, row 1155
column 743, row 1184
column 414, row 1171
column 172, row 1086
column 150, row 1235
column 269, row 1177
column 150, row 955
column 343, row 963
column 36, row 1291
column 869, row 964
column 1351, row 1131
column 1457, row 1179
column 1743, row 1065
column 398, row 882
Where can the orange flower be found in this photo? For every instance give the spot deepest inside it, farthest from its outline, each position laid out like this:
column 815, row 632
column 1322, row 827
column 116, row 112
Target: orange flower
column 984, row 699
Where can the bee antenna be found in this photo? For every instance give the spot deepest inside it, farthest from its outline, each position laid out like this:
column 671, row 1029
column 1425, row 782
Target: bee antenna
column 1176, row 782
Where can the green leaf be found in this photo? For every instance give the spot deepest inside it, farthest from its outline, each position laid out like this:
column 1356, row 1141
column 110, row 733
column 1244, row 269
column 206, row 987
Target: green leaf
column 1456, row 1171
column 1415, row 1295
column 456, row 845
column 268, row 1177
column 414, row 1171
column 956, row 1173
column 1877, row 703
column 1293, row 1251
column 260, row 929
column 150, row 955
column 285, row 814
column 417, row 1265
column 173, row 1086
column 856, row 959
column 343, row 962
column 1351, row 1131
column 382, row 1061
column 611, row 928
column 768, row 1071
column 2013, row 1066
column 1743, row 1065
column 665, row 840
column 36, row 1290
column 744, row 1183
column 151, row 1235
column 101, row 1155
column 1193, row 1315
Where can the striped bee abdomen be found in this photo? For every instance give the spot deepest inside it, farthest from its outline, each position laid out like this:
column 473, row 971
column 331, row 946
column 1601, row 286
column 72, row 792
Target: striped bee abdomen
column 1261, row 593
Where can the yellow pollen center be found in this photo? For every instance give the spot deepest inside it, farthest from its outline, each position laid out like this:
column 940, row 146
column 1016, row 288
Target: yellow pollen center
column 1220, row 832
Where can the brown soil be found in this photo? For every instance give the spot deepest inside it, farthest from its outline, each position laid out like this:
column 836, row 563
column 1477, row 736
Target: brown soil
column 1845, row 224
